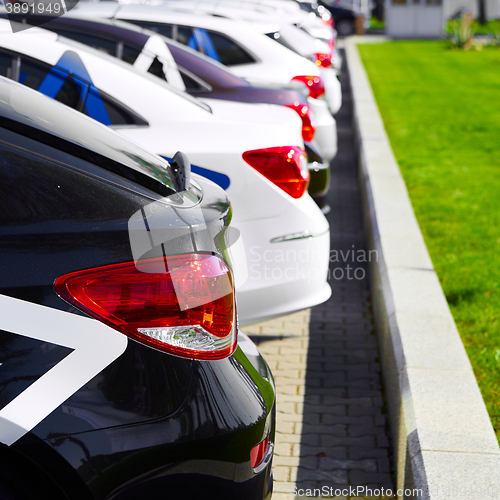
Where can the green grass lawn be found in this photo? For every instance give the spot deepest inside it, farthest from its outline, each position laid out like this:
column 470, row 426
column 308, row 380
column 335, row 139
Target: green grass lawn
column 376, row 23
column 441, row 109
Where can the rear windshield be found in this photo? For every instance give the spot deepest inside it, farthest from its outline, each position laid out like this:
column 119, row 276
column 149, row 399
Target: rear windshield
column 207, row 69
column 93, row 141
column 275, row 35
column 32, row 114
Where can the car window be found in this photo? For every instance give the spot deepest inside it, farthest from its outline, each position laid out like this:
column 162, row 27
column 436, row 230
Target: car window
column 70, row 131
column 72, row 93
column 130, row 54
column 53, row 82
column 193, row 84
column 190, row 83
column 229, row 52
column 76, row 93
column 162, row 29
column 5, row 65
column 109, row 111
column 207, row 69
column 306, row 6
column 156, row 69
column 276, row 36
column 97, row 42
column 33, row 74
column 185, row 35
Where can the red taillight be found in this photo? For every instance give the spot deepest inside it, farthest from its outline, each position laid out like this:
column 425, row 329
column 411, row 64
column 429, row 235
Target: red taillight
column 327, row 19
column 313, row 83
column 285, row 166
column 183, row 305
column 323, row 60
column 305, row 113
column 258, row 453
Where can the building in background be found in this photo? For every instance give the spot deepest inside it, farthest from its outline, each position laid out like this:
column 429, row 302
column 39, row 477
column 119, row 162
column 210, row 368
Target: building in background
column 427, row 18
column 415, row 18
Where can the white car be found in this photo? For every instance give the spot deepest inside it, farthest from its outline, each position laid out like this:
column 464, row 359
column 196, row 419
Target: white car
column 289, row 11
column 284, row 32
column 317, row 21
column 238, row 45
column 149, row 52
column 257, row 158
column 282, row 11
column 292, row 20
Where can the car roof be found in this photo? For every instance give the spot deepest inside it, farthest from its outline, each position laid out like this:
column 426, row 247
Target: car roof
column 7, row 27
column 162, row 13
column 261, row 47
column 110, row 28
column 247, row 11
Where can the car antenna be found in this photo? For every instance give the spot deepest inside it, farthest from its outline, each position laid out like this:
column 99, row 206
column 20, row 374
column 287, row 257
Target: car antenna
column 180, row 168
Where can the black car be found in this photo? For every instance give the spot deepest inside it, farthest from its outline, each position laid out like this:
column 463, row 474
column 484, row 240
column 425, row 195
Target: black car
column 121, row 371
column 344, row 18
column 202, row 76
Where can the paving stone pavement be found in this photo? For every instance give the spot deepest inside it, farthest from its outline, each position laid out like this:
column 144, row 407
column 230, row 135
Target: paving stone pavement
column 332, row 428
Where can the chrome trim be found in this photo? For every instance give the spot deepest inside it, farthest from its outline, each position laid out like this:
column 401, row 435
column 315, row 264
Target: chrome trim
column 296, row 236
column 16, row 67
column 119, row 49
column 205, row 87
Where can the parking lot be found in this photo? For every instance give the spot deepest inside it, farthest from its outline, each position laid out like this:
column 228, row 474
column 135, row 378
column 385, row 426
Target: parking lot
column 332, row 429
column 144, row 228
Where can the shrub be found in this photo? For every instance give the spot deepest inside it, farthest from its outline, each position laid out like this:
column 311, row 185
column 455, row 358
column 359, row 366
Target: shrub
column 462, row 31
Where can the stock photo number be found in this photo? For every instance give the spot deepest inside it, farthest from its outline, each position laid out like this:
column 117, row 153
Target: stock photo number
column 44, row 8
column 24, row 15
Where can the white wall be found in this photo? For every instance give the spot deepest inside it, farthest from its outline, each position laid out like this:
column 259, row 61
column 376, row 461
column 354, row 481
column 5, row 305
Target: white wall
column 492, row 7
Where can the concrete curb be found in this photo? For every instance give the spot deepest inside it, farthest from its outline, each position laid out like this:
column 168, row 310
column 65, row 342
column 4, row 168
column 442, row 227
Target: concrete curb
column 443, row 440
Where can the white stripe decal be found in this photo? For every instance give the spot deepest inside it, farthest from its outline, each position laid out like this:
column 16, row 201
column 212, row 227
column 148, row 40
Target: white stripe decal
column 95, row 347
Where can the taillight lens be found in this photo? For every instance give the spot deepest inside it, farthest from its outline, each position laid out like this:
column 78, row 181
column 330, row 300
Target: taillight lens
column 258, row 453
column 313, row 83
column 327, row 19
column 323, row 60
column 183, row 305
column 285, row 166
column 305, row 113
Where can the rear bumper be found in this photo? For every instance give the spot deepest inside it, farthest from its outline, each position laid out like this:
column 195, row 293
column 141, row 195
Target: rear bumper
column 269, row 305
column 200, row 451
column 337, row 61
column 326, row 136
column 282, row 275
column 333, row 92
column 326, row 128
